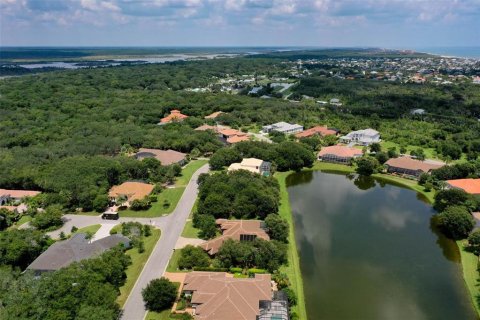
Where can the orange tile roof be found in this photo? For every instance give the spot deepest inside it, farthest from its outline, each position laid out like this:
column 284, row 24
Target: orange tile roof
column 236, row 139
column 232, row 132
column 232, row 229
column 132, row 190
column 220, row 297
column 18, row 194
column 412, row 164
column 213, row 115
column 322, row 131
column 175, row 115
column 206, row 127
column 340, row 151
column 166, row 157
column 471, row 186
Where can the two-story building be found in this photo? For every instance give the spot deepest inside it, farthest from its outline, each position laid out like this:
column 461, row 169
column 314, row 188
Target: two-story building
column 362, row 137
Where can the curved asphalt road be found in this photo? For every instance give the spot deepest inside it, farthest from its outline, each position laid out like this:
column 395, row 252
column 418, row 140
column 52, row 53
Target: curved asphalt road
column 172, row 227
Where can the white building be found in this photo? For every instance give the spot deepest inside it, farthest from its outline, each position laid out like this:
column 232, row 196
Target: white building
column 283, row 127
column 362, row 137
column 253, row 165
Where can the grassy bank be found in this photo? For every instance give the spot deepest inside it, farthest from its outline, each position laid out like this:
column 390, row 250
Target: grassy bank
column 138, row 262
column 173, row 262
column 293, row 268
column 470, row 273
column 189, row 231
column 88, row 229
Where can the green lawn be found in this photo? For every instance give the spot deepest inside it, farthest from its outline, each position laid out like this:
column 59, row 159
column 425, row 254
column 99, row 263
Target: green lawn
column 470, row 274
column 189, row 231
column 138, row 261
column 164, row 315
column 24, row 219
column 430, row 153
column 173, row 263
column 91, row 229
column 188, row 172
column 293, row 267
column 173, row 195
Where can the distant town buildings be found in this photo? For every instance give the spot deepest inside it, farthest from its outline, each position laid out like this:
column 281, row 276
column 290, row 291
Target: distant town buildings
column 253, row 165
column 283, row 127
column 174, row 116
column 362, row 137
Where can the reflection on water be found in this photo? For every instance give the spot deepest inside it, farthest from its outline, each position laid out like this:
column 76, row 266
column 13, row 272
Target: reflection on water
column 369, row 250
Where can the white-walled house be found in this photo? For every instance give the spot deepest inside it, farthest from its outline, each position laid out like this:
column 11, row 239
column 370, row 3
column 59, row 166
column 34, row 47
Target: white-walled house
column 362, row 137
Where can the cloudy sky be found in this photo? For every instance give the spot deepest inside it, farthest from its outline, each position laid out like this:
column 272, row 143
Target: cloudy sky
column 384, row 23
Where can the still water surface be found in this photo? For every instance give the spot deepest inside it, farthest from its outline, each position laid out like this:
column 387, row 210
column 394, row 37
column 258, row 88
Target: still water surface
column 368, row 251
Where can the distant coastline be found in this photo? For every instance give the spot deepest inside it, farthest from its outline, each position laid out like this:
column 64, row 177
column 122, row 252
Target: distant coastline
column 452, row 52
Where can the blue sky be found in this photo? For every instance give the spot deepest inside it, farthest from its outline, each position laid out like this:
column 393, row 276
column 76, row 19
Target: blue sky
column 382, row 23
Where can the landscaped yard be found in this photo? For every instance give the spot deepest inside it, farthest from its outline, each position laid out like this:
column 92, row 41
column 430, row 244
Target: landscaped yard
column 173, row 263
column 88, row 229
column 189, row 231
column 164, row 315
column 138, row 261
column 172, row 195
column 188, row 172
column 430, row 153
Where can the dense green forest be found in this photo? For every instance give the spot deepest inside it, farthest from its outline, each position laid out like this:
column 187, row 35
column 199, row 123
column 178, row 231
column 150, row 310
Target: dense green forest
column 66, row 132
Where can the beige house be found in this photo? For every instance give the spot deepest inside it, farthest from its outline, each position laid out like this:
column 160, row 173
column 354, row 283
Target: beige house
column 131, row 190
column 253, row 165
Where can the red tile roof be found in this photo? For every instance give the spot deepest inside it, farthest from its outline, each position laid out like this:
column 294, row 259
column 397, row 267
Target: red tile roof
column 220, row 297
column 318, row 130
column 232, row 132
column 166, row 157
column 471, row 186
column 232, row 229
column 18, row 194
column 340, row 151
column 175, row 115
column 412, row 164
column 132, row 190
column 236, row 139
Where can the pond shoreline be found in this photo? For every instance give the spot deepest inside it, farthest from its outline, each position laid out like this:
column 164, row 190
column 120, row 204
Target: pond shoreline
column 468, row 263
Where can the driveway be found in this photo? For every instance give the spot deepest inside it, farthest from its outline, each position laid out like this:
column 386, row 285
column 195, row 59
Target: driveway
column 171, row 226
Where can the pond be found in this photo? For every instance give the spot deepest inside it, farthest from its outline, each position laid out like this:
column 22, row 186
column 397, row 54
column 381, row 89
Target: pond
column 369, row 250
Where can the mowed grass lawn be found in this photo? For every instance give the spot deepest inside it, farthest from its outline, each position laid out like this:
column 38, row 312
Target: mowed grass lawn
column 430, row 153
column 88, row 229
column 293, row 268
column 138, row 261
column 172, row 195
column 189, row 231
column 173, row 263
column 164, row 315
column 188, row 172
column 470, row 273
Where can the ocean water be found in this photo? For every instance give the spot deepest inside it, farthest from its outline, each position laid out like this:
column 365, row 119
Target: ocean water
column 462, row 52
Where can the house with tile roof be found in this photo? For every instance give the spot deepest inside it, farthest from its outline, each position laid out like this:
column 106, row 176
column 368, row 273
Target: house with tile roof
column 130, row 190
column 411, row 167
column 339, row 154
column 174, row 116
column 15, row 196
column 321, row 131
column 63, row 253
column 166, row 157
column 232, row 136
column 283, row 127
column 220, row 296
column 206, row 127
column 240, row 230
column 471, row 186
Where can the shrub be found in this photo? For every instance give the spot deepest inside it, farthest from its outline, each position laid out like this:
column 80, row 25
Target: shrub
column 456, row 222
column 277, row 227
column 138, row 204
column 474, row 242
column 159, row 294
column 192, row 256
column 291, row 296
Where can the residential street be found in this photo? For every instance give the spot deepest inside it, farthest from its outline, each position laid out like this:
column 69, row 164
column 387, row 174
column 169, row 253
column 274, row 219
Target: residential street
column 171, row 226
